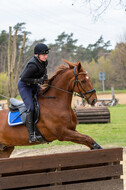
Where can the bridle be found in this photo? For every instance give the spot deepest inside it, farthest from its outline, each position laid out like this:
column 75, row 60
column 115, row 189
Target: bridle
column 76, row 82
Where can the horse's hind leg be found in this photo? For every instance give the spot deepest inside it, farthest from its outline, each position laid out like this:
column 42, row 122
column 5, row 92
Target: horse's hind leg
column 5, row 152
column 76, row 137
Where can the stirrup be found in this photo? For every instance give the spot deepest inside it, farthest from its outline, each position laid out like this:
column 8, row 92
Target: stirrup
column 35, row 138
column 32, row 138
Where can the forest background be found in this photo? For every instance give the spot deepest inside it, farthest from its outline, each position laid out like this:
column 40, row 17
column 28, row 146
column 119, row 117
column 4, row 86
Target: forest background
column 95, row 58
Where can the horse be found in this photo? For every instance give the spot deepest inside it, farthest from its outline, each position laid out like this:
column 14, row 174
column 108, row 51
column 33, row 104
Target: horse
column 57, row 118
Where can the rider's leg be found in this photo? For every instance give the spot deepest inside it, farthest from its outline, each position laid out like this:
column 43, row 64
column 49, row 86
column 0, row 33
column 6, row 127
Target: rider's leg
column 30, row 126
column 26, row 95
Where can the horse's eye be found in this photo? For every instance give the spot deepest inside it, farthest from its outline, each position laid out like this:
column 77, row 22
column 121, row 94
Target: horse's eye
column 83, row 81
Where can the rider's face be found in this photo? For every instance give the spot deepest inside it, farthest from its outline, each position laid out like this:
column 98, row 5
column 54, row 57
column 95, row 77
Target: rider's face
column 43, row 57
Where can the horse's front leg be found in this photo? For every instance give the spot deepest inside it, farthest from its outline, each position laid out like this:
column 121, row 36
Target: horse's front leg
column 76, row 137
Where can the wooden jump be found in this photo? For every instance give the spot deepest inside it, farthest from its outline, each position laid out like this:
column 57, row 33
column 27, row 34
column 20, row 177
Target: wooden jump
column 85, row 170
column 93, row 115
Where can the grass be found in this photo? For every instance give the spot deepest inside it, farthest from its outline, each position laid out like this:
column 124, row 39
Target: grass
column 113, row 133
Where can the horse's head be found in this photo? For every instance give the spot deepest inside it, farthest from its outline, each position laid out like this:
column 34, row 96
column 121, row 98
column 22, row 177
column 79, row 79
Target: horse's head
column 82, row 83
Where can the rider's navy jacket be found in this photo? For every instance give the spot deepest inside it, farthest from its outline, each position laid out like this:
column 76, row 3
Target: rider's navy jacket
column 34, row 69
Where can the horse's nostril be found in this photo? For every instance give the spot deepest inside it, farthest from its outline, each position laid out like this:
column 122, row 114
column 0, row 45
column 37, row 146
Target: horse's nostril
column 93, row 102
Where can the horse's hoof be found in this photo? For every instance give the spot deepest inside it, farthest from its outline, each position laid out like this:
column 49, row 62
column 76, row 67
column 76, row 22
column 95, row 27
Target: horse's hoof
column 96, row 146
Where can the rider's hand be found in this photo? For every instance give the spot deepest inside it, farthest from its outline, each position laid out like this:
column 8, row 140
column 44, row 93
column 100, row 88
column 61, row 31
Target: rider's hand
column 38, row 81
column 45, row 77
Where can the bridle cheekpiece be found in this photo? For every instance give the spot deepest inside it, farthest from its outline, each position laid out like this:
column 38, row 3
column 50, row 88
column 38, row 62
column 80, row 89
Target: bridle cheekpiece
column 78, row 83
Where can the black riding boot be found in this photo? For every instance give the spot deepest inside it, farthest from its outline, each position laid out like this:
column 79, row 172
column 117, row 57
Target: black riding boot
column 30, row 128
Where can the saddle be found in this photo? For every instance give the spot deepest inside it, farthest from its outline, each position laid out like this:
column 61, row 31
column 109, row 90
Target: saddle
column 17, row 114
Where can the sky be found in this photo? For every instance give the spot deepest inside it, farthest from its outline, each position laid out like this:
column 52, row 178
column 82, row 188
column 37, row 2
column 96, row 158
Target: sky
column 49, row 18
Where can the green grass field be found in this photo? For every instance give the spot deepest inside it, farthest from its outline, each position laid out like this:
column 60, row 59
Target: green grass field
column 108, row 134
column 113, row 133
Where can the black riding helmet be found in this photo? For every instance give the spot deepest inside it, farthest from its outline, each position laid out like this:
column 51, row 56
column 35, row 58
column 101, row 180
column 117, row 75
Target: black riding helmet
column 41, row 48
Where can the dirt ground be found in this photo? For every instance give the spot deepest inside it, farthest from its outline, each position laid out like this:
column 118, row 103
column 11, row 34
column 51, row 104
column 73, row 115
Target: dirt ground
column 61, row 149
column 121, row 98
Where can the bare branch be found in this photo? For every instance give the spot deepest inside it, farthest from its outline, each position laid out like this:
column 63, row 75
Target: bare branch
column 98, row 7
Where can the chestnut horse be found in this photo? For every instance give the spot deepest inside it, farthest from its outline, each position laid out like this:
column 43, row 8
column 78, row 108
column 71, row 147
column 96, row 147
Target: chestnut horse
column 57, row 118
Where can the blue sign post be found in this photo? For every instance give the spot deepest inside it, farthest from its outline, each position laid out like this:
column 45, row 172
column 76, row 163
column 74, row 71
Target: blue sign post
column 102, row 78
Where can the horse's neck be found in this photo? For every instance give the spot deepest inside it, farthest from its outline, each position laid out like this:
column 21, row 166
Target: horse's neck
column 61, row 89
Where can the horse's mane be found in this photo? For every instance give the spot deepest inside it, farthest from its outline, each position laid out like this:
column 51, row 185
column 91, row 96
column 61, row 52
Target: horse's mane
column 59, row 70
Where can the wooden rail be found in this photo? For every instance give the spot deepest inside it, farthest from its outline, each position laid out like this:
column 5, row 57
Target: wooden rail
column 93, row 115
column 85, row 170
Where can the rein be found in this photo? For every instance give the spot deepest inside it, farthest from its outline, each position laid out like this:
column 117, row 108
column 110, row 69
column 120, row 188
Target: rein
column 76, row 82
column 61, row 89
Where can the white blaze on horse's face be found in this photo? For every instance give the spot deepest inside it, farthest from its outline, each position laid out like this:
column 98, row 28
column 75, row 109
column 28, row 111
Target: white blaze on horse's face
column 87, row 77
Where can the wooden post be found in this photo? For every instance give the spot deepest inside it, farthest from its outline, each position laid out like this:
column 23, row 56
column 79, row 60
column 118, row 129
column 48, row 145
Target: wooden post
column 9, row 62
column 13, row 62
column 19, row 64
column 113, row 94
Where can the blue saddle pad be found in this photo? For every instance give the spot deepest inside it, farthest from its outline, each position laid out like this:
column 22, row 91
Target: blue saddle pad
column 14, row 118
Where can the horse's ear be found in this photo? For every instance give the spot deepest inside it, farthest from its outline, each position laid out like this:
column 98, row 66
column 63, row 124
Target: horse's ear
column 78, row 66
column 70, row 64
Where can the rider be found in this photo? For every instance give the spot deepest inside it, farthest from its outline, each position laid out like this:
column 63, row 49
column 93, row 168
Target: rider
column 34, row 73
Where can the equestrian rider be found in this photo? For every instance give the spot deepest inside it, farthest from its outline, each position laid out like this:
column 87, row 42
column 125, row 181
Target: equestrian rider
column 34, row 73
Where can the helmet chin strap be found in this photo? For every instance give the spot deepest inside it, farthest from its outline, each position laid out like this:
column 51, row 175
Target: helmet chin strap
column 38, row 58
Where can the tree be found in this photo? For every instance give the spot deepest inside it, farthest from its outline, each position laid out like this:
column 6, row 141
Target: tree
column 66, row 45
column 3, row 50
column 118, row 60
column 99, row 48
column 14, row 61
column 54, row 58
column 81, row 54
column 93, row 51
column 105, row 65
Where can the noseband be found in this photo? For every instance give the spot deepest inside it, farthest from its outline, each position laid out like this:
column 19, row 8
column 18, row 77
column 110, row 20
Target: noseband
column 77, row 82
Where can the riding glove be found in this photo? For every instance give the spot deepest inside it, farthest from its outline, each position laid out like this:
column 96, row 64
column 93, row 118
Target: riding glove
column 38, row 81
column 45, row 77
